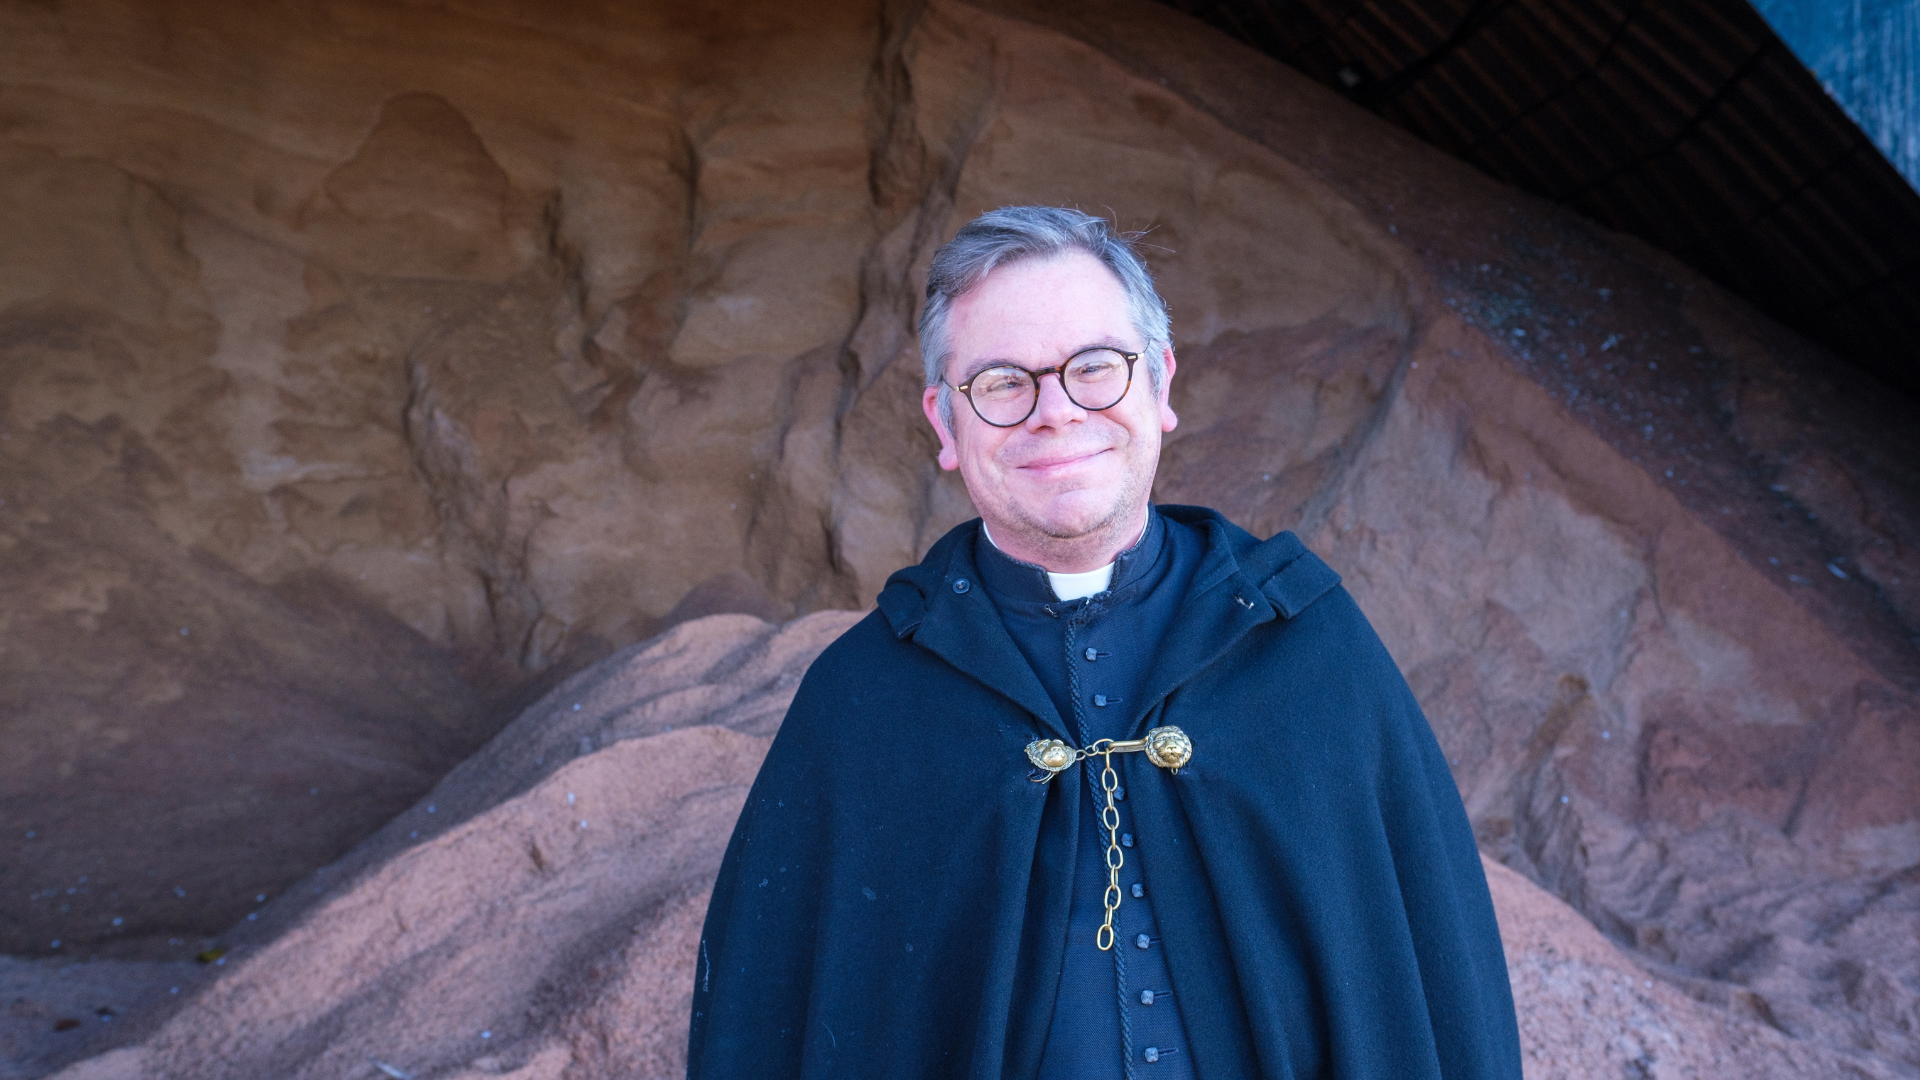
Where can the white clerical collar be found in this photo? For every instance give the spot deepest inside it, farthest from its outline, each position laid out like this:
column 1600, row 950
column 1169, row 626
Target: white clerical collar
column 1070, row 586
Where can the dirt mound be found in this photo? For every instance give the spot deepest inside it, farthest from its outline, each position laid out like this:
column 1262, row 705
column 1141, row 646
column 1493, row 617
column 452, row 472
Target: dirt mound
column 550, row 926
column 599, row 814
column 1588, row 1010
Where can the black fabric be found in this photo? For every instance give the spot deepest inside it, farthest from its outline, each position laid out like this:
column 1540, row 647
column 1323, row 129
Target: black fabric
column 1115, row 1013
column 895, row 899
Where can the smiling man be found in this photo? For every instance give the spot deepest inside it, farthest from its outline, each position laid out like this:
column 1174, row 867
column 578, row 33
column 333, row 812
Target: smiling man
column 1102, row 789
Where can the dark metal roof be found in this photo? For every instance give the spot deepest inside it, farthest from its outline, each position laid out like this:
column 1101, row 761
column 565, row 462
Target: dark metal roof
column 1685, row 122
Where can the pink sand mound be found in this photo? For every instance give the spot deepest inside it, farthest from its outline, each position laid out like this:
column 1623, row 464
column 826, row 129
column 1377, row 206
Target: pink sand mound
column 545, row 922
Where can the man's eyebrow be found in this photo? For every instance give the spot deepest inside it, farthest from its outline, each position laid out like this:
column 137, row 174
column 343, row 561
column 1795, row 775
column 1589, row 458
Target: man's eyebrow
column 979, row 366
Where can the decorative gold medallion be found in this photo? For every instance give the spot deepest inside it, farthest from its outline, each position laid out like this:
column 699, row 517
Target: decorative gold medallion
column 1169, row 747
column 1049, row 754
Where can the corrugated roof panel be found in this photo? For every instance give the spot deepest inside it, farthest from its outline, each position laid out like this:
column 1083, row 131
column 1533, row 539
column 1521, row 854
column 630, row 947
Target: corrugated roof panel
column 1686, row 122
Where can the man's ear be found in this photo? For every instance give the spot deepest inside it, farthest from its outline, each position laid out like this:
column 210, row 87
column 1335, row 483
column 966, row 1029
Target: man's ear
column 949, row 453
column 1168, row 421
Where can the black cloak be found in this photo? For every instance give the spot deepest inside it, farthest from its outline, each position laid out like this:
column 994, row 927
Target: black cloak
column 890, row 905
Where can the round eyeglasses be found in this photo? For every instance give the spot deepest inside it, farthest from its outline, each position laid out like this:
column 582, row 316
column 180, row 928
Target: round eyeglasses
column 1004, row 395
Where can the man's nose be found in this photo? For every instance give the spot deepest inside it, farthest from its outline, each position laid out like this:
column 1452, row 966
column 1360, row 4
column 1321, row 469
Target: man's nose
column 1055, row 407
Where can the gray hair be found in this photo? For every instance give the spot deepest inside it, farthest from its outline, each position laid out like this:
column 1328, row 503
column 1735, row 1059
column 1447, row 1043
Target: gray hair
column 1015, row 233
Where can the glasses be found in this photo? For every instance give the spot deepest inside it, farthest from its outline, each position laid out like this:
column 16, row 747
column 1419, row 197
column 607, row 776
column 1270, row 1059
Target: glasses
column 1094, row 379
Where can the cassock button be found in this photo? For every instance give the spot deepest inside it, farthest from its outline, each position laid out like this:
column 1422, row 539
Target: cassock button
column 1143, row 941
column 1139, row 890
column 1100, row 700
column 962, row 585
column 1126, row 839
column 1092, row 655
column 1152, row 1054
column 1119, row 794
column 1146, row 997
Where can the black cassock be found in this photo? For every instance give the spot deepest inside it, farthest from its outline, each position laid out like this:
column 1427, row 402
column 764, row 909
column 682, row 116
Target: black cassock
column 1115, row 1012
column 897, row 895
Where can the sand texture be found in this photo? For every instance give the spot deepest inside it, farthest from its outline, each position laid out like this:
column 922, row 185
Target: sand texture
column 548, row 927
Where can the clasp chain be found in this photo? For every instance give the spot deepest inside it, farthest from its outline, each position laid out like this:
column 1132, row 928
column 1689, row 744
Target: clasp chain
column 1110, row 817
column 1167, row 747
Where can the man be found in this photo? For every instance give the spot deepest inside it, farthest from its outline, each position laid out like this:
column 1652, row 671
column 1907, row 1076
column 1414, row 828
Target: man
column 1101, row 789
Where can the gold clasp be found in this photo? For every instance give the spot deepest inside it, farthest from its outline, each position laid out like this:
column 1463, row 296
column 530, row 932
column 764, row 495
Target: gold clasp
column 1051, row 756
column 1167, row 747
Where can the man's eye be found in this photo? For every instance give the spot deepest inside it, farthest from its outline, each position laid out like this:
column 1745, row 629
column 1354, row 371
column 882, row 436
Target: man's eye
column 1000, row 382
column 1094, row 368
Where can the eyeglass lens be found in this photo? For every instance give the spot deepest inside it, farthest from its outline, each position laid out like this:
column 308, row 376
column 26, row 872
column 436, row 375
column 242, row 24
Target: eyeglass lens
column 1094, row 380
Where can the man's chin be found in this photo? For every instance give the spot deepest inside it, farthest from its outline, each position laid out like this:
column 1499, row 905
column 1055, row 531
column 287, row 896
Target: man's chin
column 1072, row 518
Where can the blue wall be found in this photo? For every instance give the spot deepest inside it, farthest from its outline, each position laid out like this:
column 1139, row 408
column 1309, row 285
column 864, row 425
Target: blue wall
column 1867, row 54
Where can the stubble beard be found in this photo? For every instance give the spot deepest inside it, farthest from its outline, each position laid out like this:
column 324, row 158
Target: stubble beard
column 1060, row 540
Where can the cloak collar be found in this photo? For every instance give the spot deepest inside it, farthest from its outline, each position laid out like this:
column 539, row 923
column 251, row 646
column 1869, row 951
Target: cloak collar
column 1242, row 582
column 942, row 605
column 1011, row 580
column 1221, row 606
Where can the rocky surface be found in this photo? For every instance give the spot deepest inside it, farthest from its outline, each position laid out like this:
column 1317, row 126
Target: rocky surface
column 547, row 923
column 1588, row 1010
column 410, row 358
column 180, row 738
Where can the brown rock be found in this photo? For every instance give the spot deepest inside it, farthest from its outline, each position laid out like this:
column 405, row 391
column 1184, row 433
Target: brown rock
column 532, row 330
column 180, row 738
